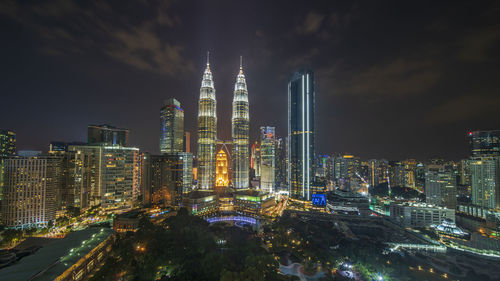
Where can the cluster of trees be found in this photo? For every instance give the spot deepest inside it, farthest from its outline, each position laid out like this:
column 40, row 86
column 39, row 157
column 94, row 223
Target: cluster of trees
column 186, row 247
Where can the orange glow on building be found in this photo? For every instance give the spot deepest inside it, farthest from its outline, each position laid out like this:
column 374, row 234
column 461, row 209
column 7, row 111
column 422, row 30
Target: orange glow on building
column 222, row 173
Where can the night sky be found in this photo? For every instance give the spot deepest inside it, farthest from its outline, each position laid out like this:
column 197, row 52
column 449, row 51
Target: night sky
column 395, row 80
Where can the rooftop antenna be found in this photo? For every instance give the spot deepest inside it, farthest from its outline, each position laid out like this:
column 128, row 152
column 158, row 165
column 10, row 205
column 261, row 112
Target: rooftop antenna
column 208, row 57
column 241, row 62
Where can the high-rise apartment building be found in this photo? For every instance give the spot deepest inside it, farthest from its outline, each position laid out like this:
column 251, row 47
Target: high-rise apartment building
column 29, row 195
column 301, row 134
column 485, row 181
column 377, row 171
column 207, row 131
column 267, row 159
column 484, row 143
column 107, row 135
column 107, row 175
column 7, row 143
column 440, row 187
column 240, row 133
column 171, row 127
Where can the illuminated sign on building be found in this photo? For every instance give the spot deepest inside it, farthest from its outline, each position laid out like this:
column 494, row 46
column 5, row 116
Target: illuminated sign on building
column 319, row 199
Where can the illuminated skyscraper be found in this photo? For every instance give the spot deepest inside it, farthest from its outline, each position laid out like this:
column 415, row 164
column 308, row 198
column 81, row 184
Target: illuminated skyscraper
column 301, row 133
column 7, row 143
column 267, row 158
column 240, row 127
column 485, row 181
column 222, row 169
column 255, row 159
column 172, row 127
column 207, row 131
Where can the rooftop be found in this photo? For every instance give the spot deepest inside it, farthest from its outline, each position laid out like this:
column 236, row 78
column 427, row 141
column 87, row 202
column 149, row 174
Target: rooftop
column 53, row 259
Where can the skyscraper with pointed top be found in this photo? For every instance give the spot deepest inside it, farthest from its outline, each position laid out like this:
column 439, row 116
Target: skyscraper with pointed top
column 240, row 131
column 207, row 131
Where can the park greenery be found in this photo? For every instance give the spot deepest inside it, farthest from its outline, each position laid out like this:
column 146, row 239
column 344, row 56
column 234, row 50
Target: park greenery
column 185, row 247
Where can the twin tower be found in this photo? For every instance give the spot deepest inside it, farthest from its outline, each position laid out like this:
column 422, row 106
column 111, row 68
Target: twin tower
column 207, row 132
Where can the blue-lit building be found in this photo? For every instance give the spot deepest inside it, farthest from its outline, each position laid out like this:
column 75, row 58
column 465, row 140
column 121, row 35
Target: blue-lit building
column 301, row 131
column 171, row 127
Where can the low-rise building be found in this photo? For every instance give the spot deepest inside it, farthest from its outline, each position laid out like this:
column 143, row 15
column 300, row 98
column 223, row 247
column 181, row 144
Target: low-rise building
column 252, row 203
column 419, row 214
column 201, row 203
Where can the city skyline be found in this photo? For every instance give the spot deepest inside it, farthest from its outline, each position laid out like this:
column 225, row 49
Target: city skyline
column 81, row 84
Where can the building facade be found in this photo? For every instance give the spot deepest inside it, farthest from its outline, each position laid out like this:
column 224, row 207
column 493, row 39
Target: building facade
column 222, row 174
column 171, row 177
column 240, row 123
column 107, row 175
column 107, row 135
column 171, row 127
column 440, row 187
column 29, row 195
column 207, row 132
column 485, row 181
column 7, row 143
column 267, row 159
column 301, row 134
column 420, row 215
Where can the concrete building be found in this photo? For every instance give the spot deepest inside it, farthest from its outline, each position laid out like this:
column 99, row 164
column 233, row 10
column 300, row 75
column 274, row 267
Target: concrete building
column 29, row 191
column 419, row 214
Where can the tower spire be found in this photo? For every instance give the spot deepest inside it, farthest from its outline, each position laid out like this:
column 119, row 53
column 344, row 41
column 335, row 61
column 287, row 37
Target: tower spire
column 208, row 58
column 241, row 62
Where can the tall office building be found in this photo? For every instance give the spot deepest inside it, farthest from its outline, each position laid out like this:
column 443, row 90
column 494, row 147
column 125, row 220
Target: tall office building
column 187, row 142
column 207, row 131
column 171, row 127
column 483, row 143
column 485, row 181
column 440, row 187
column 255, row 159
column 240, row 132
column 301, row 133
column 280, row 162
column 107, row 135
column 267, row 159
column 171, row 177
column 30, row 190
column 107, row 175
column 7, row 143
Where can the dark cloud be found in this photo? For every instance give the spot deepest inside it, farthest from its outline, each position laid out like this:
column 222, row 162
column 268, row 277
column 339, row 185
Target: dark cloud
column 394, row 79
column 135, row 42
column 311, row 24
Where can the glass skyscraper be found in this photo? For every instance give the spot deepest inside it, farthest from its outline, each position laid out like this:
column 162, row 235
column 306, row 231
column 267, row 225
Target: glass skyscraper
column 267, row 158
column 172, row 127
column 207, row 131
column 240, row 132
column 301, row 132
